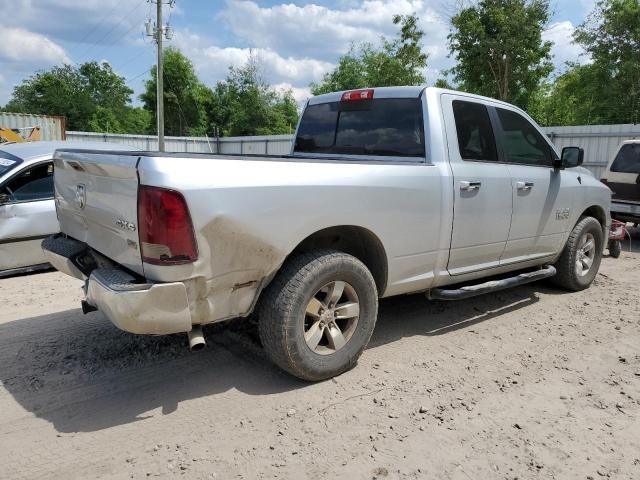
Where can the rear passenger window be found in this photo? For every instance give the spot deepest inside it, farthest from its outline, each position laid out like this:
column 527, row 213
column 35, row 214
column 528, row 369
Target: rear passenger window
column 522, row 141
column 628, row 159
column 475, row 133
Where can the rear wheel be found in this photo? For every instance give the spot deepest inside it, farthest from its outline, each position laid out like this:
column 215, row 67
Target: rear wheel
column 580, row 260
column 318, row 314
column 615, row 248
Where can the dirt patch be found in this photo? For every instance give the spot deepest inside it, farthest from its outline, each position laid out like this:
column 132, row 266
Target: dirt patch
column 526, row 383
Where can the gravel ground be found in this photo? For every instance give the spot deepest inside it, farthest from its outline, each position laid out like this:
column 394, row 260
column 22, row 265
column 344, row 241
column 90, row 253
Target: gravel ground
column 526, row 383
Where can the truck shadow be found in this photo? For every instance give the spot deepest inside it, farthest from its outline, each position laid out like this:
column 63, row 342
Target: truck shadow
column 82, row 374
column 414, row 315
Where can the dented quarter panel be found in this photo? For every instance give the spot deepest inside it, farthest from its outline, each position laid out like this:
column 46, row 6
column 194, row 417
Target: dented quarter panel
column 250, row 214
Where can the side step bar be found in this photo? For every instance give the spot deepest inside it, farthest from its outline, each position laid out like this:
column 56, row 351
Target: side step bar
column 491, row 286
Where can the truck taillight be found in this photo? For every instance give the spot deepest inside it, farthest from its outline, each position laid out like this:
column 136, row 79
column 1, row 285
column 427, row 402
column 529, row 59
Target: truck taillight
column 354, row 95
column 165, row 227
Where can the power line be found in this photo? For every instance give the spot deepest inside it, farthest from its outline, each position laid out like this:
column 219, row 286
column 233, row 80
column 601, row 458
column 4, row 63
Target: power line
column 148, row 70
column 135, row 25
column 132, row 59
column 102, row 19
column 125, row 17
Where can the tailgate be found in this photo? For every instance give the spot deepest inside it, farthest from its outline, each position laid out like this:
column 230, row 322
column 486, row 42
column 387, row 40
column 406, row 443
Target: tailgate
column 97, row 202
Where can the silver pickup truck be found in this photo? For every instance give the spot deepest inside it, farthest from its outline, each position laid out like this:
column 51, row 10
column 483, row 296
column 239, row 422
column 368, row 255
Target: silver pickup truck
column 386, row 191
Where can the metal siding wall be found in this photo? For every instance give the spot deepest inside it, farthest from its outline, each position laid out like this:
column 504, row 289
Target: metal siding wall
column 231, row 147
column 51, row 128
column 600, row 142
column 259, row 145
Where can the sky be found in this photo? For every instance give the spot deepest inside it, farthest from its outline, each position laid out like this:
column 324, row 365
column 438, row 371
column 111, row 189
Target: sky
column 296, row 42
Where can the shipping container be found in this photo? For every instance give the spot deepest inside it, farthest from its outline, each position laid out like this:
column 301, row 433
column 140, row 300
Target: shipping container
column 51, row 128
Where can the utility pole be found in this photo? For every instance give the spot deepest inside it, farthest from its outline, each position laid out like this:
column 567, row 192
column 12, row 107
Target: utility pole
column 157, row 32
column 160, row 78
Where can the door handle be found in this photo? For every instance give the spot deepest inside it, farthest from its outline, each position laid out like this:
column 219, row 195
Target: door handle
column 466, row 185
column 524, row 185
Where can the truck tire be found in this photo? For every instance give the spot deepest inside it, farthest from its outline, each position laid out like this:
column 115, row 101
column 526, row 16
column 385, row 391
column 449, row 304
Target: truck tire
column 580, row 260
column 317, row 315
column 615, row 248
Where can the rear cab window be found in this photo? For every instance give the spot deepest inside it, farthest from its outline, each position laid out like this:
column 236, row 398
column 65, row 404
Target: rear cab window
column 628, row 159
column 379, row 127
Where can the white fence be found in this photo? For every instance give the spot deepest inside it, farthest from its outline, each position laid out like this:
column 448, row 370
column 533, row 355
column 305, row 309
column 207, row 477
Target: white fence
column 598, row 141
column 266, row 144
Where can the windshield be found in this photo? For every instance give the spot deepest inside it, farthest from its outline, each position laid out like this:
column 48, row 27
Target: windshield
column 628, row 159
column 379, row 127
column 8, row 162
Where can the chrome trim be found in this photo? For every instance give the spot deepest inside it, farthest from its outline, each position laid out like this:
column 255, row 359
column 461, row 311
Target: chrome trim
column 466, row 185
column 158, row 309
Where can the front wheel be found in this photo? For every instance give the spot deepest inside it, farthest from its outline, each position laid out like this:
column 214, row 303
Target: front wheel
column 318, row 314
column 580, row 260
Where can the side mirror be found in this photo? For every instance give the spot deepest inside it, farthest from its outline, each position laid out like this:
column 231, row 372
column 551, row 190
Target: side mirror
column 571, row 157
column 4, row 198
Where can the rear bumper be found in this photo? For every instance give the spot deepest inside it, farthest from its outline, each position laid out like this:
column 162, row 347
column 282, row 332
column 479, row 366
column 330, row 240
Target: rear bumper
column 143, row 308
column 629, row 208
column 625, row 211
column 63, row 254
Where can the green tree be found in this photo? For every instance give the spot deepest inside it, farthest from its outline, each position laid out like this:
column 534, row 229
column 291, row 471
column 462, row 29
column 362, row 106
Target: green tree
column 400, row 61
column 105, row 120
column 245, row 104
column 88, row 96
column 184, row 96
column 499, row 49
column 611, row 35
column 443, row 83
column 104, row 87
column 128, row 120
column 286, row 113
column 136, row 120
column 349, row 74
column 59, row 91
column 574, row 98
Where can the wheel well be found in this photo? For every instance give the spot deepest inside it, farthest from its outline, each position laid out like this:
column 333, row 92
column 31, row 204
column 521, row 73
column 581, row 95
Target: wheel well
column 357, row 241
column 598, row 213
